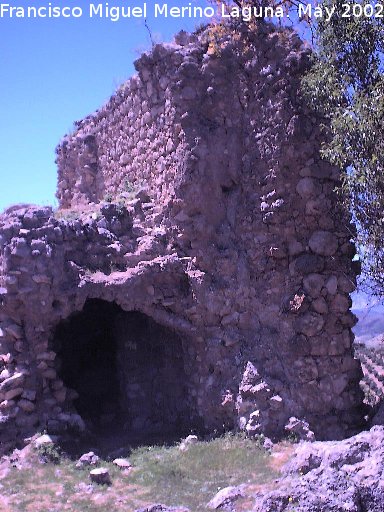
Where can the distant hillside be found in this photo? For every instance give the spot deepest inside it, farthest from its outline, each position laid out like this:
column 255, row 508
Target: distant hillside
column 371, row 318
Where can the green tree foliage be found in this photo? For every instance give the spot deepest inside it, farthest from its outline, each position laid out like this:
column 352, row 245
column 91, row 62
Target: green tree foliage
column 346, row 86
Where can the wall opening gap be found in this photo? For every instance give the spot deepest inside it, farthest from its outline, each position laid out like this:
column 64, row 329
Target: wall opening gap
column 128, row 372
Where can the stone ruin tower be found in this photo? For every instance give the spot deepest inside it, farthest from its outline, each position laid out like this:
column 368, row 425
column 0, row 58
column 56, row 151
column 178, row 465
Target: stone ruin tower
column 197, row 274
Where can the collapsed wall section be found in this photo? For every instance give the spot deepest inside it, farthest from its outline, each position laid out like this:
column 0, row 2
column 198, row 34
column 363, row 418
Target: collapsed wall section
column 134, row 139
column 233, row 238
column 50, row 363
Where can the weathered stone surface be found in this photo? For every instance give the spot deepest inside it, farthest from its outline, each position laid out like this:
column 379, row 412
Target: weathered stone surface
column 307, row 187
column 309, row 324
column 195, row 204
column 15, row 381
column 161, row 508
column 122, row 463
column 331, row 285
column 331, row 476
column 340, row 303
column 12, row 393
column 299, row 428
column 313, row 283
column 378, row 415
column 100, row 476
column 324, row 243
column 307, row 264
column 15, row 331
column 26, row 405
column 87, row 459
column 43, row 440
column 346, row 285
column 225, row 497
column 187, row 442
column 320, row 306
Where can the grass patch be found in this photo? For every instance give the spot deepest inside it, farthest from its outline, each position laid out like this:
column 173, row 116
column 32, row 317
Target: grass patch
column 193, row 477
column 160, row 474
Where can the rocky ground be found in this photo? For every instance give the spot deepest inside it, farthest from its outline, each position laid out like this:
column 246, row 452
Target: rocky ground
column 327, row 476
column 331, row 477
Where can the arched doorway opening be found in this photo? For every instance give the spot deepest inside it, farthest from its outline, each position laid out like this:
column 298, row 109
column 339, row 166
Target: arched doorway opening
column 127, row 370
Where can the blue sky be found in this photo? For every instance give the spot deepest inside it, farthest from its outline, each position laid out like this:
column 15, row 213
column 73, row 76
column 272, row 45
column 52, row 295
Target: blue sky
column 56, row 71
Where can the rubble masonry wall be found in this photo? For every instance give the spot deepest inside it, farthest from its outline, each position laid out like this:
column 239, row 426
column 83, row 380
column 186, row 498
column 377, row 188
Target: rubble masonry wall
column 203, row 202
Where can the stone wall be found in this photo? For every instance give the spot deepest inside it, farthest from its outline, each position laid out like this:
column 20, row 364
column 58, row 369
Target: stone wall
column 144, row 123
column 232, row 237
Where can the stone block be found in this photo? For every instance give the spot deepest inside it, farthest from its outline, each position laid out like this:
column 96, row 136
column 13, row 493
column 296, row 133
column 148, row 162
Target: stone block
column 15, row 381
column 26, row 405
column 309, row 324
column 307, row 264
column 313, row 283
column 12, row 393
column 100, row 476
column 323, row 243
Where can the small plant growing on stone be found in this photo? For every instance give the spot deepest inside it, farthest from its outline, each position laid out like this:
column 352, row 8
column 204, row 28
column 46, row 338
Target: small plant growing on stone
column 293, row 438
column 200, row 28
column 129, row 190
column 128, row 186
column 68, row 215
column 292, row 502
column 49, row 453
column 108, row 198
column 259, row 440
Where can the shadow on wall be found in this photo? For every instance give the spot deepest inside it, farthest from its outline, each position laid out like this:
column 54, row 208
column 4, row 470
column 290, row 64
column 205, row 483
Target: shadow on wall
column 126, row 370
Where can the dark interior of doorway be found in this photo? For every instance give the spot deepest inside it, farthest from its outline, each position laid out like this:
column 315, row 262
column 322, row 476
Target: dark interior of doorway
column 128, row 372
